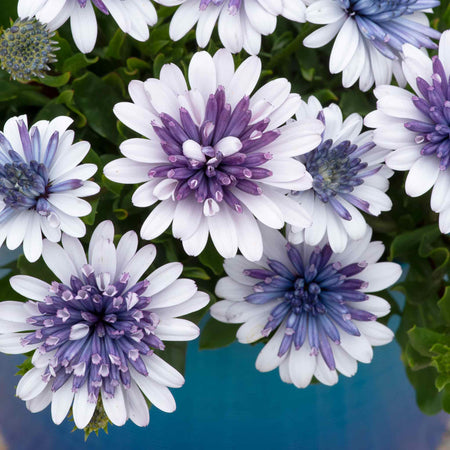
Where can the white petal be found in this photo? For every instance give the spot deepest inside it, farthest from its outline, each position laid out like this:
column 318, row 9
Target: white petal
column 137, row 408
column 115, row 406
column 357, row 347
column 403, row 158
column 376, row 333
column 344, row 362
column 302, row 365
column 58, row 261
column 440, row 194
column 62, row 401
column 163, row 277
column 268, row 358
column 380, row 276
column 344, row 46
column 244, row 80
column 84, row 27
column 324, row 374
column 375, row 305
column 170, row 329
column 195, row 244
column 11, row 344
column 251, row 330
column 69, row 204
column 40, row 402
column 202, row 74
column 177, row 292
column 32, row 242
column 249, row 237
column 82, row 409
column 231, row 289
column 198, row 301
column 158, row 395
column 162, row 372
column 158, row 220
column 31, row 384
column 422, row 176
column 223, row 232
column 30, row 287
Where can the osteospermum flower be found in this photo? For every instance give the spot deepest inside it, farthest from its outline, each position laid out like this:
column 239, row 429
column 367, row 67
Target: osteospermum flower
column 41, row 183
column 369, row 36
column 215, row 157
column 240, row 22
column 417, row 126
column 95, row 329
column 26, row 49
column 348, row 175
column 132, row 16
column 311, row 303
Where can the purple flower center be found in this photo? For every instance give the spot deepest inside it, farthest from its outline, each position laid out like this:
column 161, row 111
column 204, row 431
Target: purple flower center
column 337, row 170
column 434, row 134
column 24, row 182
column 96, row 331
column 382, row 23
column 317, row 299
column 233, row 5
column 222, row 154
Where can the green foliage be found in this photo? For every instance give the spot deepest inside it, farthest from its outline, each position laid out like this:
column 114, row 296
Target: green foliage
column 217, row 334
column 424, row 332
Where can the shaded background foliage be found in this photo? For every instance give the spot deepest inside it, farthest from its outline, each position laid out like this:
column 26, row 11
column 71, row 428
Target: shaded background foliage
column 87, row 87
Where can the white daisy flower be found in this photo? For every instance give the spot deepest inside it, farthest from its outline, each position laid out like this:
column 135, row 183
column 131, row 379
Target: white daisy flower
column 417, row 126
column 214, row 156
column 41, row 183
column 348, row 175
column 132, row 16
column 369, row 36
column 311, row 303
column 94, row 331
column 240, row 22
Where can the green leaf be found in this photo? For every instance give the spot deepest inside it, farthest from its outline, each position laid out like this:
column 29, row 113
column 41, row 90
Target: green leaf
column 406, row 244
column 427, row 396
column 77, row 62
column 444, row 305
column 441, row 381
column 326, row 95
column 121, row 213
column 58, row 81
column 446, row 399
column 216, row 334
column 211, row 259
column 25, row 367
column 423, row 339
column 195, row 272
column 96, row 100
column 116, row 45
column 90, row 218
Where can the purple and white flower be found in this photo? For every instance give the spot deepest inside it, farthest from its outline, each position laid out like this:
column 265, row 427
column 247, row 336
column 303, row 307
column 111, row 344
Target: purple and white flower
column 417, row 126
column 369, row 36
column 215, row 157
column 240, row 22
column 94, row 331
column 311, row 303
column 41, row 183
column 348, row 175
column 132, row 16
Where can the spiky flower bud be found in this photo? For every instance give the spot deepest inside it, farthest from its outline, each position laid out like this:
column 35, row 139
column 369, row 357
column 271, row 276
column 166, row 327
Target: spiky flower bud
column 26, row 49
